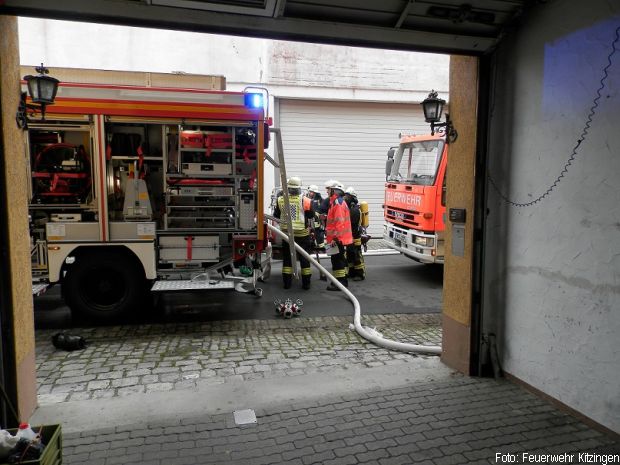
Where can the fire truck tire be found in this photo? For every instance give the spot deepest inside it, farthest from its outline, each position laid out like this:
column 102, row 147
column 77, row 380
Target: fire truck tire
column 104, row 286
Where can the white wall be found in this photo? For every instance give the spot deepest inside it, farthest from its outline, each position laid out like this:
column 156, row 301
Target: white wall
column 289, row 69
column 552, row 270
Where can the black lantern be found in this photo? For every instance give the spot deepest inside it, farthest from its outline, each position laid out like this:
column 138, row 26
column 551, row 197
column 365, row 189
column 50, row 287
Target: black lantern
column 433, row 108
column 42, row 90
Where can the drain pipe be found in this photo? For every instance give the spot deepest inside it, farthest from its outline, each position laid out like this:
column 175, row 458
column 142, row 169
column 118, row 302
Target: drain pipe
column 369, row 334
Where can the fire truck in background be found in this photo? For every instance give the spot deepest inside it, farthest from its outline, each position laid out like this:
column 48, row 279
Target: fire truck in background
column 140, row 188
column 415, row 197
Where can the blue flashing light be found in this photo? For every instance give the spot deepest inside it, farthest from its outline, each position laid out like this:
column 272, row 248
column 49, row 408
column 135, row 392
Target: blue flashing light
column 254, row 100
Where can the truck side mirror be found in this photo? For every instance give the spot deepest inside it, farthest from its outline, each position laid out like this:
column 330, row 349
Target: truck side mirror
column 388, row 167
column 389, row 163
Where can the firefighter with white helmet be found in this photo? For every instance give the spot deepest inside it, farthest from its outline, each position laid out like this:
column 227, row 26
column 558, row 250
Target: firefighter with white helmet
column 355, row 259
column 301, row 217
column 338, row 233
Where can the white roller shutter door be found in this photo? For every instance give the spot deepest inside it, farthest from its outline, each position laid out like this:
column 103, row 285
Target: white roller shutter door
column 347, row 141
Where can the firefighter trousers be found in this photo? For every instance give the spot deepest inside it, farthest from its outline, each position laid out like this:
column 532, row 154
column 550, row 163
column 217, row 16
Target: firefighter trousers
column 339, row 265
column 305, row 242
column 355, row 260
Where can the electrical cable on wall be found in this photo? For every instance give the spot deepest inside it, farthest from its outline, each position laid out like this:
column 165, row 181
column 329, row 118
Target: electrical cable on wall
column 582, row 137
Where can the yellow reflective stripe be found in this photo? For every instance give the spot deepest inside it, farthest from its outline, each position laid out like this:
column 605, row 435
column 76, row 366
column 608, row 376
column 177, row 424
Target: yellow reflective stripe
column 357, row 242
column 306, row 271
column 287, row 270
column 297, row 213
column 359, row 267
column 339, row 274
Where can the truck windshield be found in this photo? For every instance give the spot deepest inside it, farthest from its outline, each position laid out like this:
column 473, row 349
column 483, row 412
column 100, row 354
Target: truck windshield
column 417, row 162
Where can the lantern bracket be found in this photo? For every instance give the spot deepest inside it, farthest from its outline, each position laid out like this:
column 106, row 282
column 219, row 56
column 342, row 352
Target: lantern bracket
column 42, row 90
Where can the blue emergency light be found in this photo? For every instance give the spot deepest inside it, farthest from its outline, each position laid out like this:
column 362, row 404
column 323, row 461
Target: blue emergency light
column 253, row 100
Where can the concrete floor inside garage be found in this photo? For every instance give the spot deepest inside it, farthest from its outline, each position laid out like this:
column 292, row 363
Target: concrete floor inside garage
column 165, row 390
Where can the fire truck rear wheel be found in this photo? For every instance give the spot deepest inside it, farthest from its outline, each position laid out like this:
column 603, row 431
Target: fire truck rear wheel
column 104, row 286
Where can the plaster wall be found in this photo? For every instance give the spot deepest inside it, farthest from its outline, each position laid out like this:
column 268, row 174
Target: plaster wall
column 288, row 69
column 552, row 269
column 15, row 165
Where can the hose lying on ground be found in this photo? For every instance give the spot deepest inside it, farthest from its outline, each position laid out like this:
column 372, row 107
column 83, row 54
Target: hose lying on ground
column 367, row 333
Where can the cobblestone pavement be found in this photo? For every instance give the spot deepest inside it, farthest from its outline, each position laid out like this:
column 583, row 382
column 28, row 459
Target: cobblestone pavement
column 460, row 421
column 126, row 360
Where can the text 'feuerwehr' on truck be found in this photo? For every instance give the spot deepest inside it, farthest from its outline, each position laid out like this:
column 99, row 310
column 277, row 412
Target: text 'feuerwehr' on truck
column 415, row 197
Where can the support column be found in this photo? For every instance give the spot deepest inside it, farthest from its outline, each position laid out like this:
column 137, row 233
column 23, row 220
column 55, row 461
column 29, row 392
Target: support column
column 18, row 326
column 458, row 280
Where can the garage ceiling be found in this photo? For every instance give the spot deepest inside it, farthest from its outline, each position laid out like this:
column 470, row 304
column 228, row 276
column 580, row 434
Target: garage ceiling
column 445, row 26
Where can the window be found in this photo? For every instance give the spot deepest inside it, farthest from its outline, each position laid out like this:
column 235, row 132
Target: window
column 417, row 162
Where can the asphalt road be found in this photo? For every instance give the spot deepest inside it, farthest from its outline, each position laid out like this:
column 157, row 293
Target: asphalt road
column 394, row 284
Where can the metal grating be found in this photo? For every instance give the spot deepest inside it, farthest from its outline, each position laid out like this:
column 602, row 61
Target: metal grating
column 189, row 285
column 38, row 289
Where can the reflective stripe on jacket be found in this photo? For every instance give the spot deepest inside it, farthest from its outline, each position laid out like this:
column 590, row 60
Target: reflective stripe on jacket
column 298, row 205
column 338, row 221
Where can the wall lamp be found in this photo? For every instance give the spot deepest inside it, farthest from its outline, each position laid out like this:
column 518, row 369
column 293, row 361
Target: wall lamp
column 42, row 90
column 433, row 108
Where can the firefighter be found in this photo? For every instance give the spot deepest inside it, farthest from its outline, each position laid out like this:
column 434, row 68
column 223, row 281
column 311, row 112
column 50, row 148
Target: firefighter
column 301, row 216
column 318, row 226
column 338, row 233
column 355, row 259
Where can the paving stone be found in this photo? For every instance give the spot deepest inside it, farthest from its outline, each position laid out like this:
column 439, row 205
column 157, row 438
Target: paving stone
column 461, row 420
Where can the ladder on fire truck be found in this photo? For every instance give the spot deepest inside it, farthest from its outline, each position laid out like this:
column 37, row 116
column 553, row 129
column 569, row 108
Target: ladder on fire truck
column 280, row 165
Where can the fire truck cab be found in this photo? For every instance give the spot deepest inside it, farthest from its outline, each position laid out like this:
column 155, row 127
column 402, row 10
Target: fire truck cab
column 135, row 189
column 415, row 197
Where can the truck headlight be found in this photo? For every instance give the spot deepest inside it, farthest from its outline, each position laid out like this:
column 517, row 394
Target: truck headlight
column 424, row 241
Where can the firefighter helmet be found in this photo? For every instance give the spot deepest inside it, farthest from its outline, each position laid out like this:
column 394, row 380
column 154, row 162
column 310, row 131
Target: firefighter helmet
column 330, row 183
column 351, row 191
column 338, row 185
column 314, row 188
column 294, row 182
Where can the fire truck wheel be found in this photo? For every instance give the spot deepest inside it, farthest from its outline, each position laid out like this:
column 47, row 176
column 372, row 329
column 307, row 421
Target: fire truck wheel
column 103, row 287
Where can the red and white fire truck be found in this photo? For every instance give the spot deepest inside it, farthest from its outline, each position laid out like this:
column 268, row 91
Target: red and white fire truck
column 140, row 188
column 415, row 197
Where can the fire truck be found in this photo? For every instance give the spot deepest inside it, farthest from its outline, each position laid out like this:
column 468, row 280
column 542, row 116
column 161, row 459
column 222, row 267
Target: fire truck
column 415, row 197
column 137, row 189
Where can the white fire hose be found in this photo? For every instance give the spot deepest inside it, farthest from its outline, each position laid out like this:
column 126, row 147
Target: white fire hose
column 369, row 334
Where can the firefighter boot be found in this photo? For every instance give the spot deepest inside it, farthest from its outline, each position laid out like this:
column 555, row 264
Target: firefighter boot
column 288, row 280
column 305, row 281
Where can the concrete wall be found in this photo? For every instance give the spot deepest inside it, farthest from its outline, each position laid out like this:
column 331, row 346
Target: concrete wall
column 288, row 69
column 552, row 274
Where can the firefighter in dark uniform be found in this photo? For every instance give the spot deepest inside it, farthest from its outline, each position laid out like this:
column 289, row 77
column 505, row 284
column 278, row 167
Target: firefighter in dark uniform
column 355, row 259
column 318, row 227
column 338, row 234
column 301, row 217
